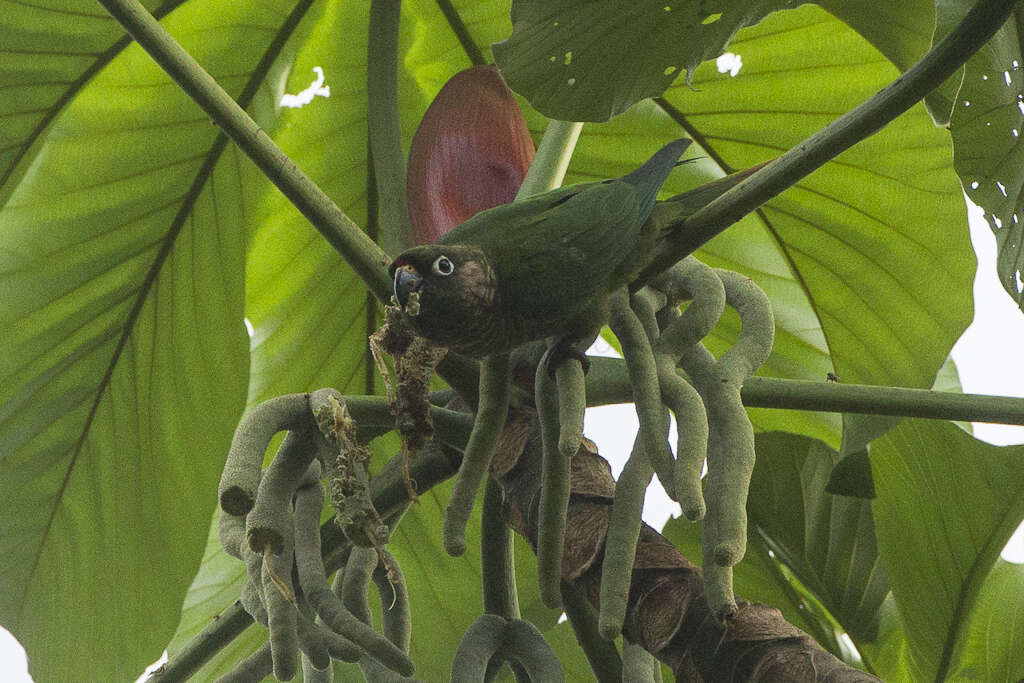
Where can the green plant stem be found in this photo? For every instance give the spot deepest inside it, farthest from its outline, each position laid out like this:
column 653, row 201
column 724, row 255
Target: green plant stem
column 384, row 127
column 601, row 654
column 365, row 257
column 980, row 23
column 608, row 382
column 469, row 45
column 549, row 165
column 497, row 560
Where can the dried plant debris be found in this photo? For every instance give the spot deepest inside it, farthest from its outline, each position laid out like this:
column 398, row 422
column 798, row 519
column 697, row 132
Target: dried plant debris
column 408, row 387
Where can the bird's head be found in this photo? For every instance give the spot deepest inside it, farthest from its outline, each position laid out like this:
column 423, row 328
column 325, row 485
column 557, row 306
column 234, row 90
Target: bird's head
column 447, row 291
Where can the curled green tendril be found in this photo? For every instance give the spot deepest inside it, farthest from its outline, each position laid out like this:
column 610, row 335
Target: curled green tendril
column 679, row 333
column 270, row 520
column 731, row 436
column 241, row 475
column 639, row 665
column 476, row 460
column 491, row 639
column 624, row 522
column 278, row 595
column 351, row 636
column 554, row 492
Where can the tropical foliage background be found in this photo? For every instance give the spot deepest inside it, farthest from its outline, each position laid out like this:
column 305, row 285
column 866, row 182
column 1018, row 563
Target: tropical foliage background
column 135, row 241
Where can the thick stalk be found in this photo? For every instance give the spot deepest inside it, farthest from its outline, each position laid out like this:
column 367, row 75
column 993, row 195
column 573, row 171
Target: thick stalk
column 384, row 129
column 365, row 257
column 552, row 159
column 497, row 559
column 608, row 382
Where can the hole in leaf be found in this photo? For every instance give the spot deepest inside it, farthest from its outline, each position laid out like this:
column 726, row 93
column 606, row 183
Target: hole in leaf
column 571, row 81
column 669, row 70
column 568, row 58
column 316, row 88
column 729, row 63
column 711, row 18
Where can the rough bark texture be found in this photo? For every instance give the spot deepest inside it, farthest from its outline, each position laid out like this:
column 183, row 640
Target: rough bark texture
column 667, row 614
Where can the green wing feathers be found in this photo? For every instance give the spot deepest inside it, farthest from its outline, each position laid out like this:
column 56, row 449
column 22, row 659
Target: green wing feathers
column 557, row 252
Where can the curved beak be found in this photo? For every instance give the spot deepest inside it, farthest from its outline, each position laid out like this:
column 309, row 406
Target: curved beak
column 407, row 281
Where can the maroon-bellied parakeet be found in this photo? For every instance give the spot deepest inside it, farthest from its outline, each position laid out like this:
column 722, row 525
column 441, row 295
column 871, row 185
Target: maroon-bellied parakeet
column 538, row 268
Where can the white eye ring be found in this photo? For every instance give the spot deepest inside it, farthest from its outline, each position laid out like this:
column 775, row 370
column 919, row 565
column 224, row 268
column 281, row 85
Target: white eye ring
column 443, row 266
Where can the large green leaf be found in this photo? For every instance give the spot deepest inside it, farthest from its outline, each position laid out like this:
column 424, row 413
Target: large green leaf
column 987, row 122
column 39, row 80
column 902, row 31
column 947, row 503
column 993, row 639
column 827, row 541
column 125, row 362
column 590, row 61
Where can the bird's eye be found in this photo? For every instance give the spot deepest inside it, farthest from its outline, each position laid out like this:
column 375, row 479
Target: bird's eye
column 443, row 266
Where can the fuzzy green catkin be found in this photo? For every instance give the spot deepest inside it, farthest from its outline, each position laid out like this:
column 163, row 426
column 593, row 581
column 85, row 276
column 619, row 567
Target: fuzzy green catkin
column 718, row 591
column 270, row 520
column 554, row 492
column 341, row 621
column 524, row 644
column 570, row 382
column 311, row 674
column 252, row 669
column 281, row 613
column 680, row 332
column 241, row 476
column 231, row 533
column 252, row 591
column 624, row 523
column 345, row 628
column 690, row 279
column 643, row 378
column 639, row 665
column 643, row 305
column 476, row 460
column 731, row 438
column 312, row 643
column 358, row 570
column 396, row 618
column 691, row 424
column 479, row 644
column 497, row 557
column 620, row 542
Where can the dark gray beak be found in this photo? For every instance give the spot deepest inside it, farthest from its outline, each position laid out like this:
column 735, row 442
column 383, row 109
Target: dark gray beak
column 407, row 281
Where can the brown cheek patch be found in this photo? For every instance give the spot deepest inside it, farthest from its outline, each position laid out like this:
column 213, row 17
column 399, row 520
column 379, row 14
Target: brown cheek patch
column 478, row 279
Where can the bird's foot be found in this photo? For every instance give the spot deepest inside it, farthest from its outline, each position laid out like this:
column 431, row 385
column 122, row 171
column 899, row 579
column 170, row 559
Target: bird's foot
column 559, row 353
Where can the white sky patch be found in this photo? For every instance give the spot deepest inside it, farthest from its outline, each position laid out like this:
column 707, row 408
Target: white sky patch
column 303, row 98
column 729, row 63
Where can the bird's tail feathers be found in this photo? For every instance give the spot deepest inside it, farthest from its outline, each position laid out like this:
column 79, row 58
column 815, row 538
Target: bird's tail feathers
column 649, row 178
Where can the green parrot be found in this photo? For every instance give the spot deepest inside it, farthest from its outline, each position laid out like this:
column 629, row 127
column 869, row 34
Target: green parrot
column 538, row 268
